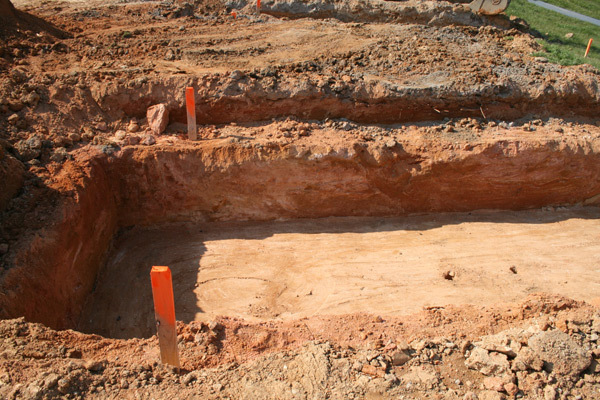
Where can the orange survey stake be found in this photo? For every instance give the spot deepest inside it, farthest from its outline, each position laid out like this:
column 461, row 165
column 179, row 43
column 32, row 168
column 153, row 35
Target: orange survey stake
column 190, row 103
column 589, row 46
column 164, row 313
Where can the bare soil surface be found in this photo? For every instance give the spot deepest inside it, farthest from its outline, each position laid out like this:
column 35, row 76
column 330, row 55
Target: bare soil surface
column 331, row 232
column 336, row 266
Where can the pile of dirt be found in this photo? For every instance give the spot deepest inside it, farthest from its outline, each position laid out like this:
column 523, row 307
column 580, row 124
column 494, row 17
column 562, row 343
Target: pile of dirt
column 17, row 24
column 453, row 353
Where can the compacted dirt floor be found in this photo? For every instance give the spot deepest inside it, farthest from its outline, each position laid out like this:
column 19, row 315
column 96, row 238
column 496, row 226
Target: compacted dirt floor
column 386, row 200
column 337, row 266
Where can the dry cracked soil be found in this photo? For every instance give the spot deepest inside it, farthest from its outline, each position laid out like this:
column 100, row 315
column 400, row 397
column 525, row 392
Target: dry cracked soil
column 385, row 200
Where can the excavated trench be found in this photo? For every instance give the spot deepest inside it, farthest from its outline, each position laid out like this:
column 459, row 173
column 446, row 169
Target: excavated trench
column 203, row 208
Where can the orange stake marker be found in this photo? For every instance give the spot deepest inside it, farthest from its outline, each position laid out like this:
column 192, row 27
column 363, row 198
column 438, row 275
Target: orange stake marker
column 588, row 48
column 190, row 103
column 234, row 14
column 164, row 312
column 258, row 5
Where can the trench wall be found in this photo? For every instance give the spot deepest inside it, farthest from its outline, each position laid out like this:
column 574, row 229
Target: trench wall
column 57, row 269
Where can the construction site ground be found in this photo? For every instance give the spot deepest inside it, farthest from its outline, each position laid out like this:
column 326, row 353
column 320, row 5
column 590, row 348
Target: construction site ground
column 386, row 200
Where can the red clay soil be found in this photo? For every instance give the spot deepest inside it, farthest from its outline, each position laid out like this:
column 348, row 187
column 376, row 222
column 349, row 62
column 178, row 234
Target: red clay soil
column 352, row 109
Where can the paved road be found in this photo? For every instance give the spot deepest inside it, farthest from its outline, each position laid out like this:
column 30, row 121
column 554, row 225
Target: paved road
column 566, row 12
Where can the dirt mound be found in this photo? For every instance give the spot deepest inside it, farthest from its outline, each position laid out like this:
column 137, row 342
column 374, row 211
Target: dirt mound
column 452, row 353
column 16, row 24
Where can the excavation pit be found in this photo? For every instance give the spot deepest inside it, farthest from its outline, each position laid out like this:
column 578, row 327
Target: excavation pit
column 345, row 237
column 285, row 270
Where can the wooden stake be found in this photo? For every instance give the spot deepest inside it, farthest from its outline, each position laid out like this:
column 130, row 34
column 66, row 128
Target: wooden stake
column 164, row 313
column 190, row 103
column 588, row 47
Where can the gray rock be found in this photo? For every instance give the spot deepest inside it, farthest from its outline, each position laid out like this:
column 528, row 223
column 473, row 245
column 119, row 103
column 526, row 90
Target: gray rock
column 189, row 378
column 236, row 75
column 29, row 149
column 500, row 343
column 488, row 363
column 527, row 360
column 400, row 358
column 59, row 154
column 170, row 55
column 148, row 140
column 561, row 354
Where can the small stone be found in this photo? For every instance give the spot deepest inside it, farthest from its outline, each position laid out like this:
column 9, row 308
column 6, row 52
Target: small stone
column 448, row 275
column 94, row 365
column 372, row 370
column 569, row 35
column 74, row 137
column 470, row 396
column 549, row 393
column 3, row 248
column 491, row 395
column 487, row 363
column 400, row 358
column 542, row 60
column 158, row 118
column 493, row 383
column 148, row 140
column 217, row 387
column 15, row 105
column 236, row 75
column 13, row 119
column 133, row 127
column 511, row 388
column 189, row 378
column 28, row 149
column 63, row 385
column 59, row 154
column 170, row 55
column 101, row 126
column 88, row 135
column 464, row 346
column 120, row 134
column 527, row 360
column 513, row 269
